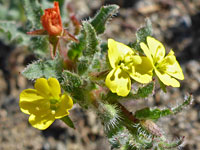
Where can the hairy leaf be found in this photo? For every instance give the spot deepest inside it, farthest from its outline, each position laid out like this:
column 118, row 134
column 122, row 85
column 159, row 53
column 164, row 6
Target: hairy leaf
column 43, row 68
column 83, row 66
column 71, row 81
column 91, row 48
column 187, row 101
column 91, row 40
column 101, row 18
column 75, row 49
column 39, row 45
column 13, row 35
column 153, row 114
column 170, row 145
column 33, row 12
column 145, row 31
column 141, row 36
column 143, row 92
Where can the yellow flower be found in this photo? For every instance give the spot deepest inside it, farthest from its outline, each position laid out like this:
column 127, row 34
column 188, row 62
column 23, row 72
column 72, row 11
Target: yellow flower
column 45, row 103
column 165, row 67
column 125, row 65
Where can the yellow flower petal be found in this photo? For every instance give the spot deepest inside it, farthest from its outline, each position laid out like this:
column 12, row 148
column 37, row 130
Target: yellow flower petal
column 41, row 122
column 36, row 108
column 54, row 87
column 167, row 79
column 41, row 85
column 137, row 60
column 28, row 96
column 166, row 68
column 66, row 103
column 173, row 67
column 146, row 52
column 142, row 72
column 156, row 48
column 118, row 81
column 44, row 103
column 117, row 51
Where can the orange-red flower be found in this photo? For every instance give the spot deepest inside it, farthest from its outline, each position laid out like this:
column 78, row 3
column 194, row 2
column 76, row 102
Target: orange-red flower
column 51, row 20
column 52, row 26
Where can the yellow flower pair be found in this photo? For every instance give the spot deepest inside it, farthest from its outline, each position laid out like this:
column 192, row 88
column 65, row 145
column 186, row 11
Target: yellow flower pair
column 126, row 65
column 45, row 103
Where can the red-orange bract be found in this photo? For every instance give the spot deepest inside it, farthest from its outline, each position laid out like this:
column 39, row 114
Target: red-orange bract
column 51, row 20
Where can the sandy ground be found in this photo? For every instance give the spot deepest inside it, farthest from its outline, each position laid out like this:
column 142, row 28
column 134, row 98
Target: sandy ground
column 176, row 24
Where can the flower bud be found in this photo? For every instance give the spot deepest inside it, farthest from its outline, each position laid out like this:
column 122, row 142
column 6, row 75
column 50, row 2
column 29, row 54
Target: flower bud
column 51, row 20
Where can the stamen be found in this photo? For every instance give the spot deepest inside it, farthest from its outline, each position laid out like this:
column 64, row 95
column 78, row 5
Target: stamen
column 53, row 112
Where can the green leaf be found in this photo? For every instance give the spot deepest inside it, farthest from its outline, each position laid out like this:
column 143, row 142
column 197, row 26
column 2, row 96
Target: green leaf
column 145, row 31
column 12, row 34
column 143, row 91
column 98, row 26
column 141, row 36
column 43, row 68
column 82, row 66
column 33, row 12
column 163, row 145
column 75, row 49
column 187, row 101
column 39, row 45
column 152, row 114
column 101, row 18
column 71, row 81
column 11, row 10
column 91, row 47
column 68, row 121
column 116, row 139
column 162, row 86
column 91, row 40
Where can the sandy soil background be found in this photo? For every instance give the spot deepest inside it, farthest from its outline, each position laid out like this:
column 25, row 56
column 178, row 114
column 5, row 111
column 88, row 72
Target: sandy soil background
column 176, row 23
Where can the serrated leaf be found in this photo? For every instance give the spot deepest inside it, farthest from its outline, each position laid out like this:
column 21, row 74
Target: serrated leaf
column 152, row 114
column 9, row 28
column 98, row 23
column 68, row 121
column 82, row 66
column 39, row 45
column 145, row 31
column 101, row 18
column 71, row 81
column 96, row 64
column 90, row 48
column 33, row 12
column 141, row 36
column 163, row 145
column 187, row 101
column 43, row 68
column 91, row 40
column 143, row 91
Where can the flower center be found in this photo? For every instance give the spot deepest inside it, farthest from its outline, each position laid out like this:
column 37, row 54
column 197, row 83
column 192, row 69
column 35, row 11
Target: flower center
column 161, row 67
column 128, row 61
column 54, row 105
